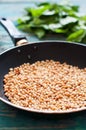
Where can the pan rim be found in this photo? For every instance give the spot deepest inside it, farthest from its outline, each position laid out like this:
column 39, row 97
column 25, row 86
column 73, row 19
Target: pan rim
column 42, row 111
column 44, row 41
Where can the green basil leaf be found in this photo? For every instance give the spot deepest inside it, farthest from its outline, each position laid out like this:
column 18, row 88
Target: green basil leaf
column 39, row 33
column 77, row 36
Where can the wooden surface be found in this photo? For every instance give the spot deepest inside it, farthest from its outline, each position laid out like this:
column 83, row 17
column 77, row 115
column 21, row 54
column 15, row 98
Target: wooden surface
column 14, row 119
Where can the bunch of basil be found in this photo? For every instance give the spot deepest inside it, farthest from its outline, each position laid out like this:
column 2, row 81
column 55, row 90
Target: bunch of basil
column 56, row 19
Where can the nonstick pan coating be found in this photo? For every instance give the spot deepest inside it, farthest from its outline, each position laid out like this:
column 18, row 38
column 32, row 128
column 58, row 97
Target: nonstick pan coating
column 71, row 53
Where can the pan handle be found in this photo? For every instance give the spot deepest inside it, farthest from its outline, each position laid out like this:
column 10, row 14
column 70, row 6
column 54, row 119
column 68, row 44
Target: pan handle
column 16, row 36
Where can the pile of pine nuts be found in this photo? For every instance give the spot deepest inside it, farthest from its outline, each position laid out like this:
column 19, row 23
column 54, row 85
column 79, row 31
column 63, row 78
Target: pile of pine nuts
column 46, row 85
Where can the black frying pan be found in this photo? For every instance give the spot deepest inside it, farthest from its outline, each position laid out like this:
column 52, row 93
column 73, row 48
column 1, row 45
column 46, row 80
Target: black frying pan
column 71, row 53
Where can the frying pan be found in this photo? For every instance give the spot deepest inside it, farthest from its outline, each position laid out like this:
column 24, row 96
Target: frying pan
column 71, row 53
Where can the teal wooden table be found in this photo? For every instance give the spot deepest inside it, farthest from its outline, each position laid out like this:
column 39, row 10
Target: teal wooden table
column 14, row 119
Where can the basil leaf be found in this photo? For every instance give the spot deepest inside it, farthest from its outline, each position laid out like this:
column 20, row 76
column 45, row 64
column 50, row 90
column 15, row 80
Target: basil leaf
column 39, row 32
column 77, row 36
